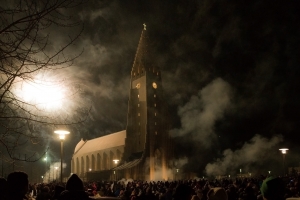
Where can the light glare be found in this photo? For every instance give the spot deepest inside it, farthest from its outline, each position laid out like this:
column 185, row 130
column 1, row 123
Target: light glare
column 283, row 150
column 45, row 93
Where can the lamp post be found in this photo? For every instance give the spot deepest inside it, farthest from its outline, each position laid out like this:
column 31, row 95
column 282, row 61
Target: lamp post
column 62, row 134
column 177, row 170
column 116, row 162
column 283, row 151
column 45, row 159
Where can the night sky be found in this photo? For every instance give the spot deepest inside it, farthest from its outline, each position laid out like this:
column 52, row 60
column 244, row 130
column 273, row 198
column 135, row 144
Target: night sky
column 230, row 72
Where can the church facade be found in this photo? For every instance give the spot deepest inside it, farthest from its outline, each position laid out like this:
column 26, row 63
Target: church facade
column 144, row 150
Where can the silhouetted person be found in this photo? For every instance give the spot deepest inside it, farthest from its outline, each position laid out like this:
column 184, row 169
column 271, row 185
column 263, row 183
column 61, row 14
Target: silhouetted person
column 217, row 193
column 3, row 188
column 183, row 192
column 57, row 191
column 273, row 189
column 74, row 189
column 44, row 194
column 17, row 183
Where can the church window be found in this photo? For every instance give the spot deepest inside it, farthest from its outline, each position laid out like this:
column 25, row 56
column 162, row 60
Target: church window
column 155, row 132
column 154, row 95
column 155, row 105
column 157, row 73
column 138, row 105
column 138, row 96
column 139, row 114
column 155, row 114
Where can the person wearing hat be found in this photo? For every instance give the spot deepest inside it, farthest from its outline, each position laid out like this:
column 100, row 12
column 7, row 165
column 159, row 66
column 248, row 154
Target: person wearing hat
column 74, row 190
column 272, row 189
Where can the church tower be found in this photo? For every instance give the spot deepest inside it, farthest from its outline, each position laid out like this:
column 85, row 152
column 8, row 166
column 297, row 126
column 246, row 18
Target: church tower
column 148, row 150
column 144, row 149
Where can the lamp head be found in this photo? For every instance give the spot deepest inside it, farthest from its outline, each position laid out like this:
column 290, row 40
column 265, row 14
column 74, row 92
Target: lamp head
column 61, row 134
column 283, row 150
column 116, row 161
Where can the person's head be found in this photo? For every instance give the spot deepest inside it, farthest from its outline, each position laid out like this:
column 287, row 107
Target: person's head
column 57, row 190
column 272, row 189
column 217, row 193
column 74, row 183
column 17, row 183
column 3, row 187
column 183, row 192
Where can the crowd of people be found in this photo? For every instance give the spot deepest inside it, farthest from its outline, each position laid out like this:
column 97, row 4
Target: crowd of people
column 17, row 187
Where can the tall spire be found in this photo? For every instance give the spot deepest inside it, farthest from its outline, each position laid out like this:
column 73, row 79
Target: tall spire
column 141, row 60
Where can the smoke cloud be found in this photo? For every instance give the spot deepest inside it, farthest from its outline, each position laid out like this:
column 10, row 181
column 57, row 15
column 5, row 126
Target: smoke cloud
column 253, row 152
column 199, row 115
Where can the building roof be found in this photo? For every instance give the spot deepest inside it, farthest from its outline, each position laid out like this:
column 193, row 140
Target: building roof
column 128, row 164
column 79, row 145
column 101, row 143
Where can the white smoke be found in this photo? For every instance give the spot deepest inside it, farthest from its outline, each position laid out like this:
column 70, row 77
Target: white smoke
column 200, row 114
column 254, row 151
column 53, row 172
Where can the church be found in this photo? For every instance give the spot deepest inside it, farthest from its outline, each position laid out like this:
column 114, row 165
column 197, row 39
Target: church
column 144, row 151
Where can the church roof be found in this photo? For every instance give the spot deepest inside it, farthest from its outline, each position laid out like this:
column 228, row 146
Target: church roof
column 101, row 143
column 79, row 145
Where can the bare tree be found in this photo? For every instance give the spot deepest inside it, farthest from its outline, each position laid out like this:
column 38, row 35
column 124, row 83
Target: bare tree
column 26, row 50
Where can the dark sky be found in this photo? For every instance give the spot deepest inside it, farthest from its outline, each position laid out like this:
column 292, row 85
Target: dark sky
column 230, row 72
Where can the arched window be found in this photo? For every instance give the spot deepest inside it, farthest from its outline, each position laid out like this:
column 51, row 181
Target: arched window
column 104, row 163
column 77, row 170
column 99, row 161
column 93, row 163
column 87, row 168
column 82, row 167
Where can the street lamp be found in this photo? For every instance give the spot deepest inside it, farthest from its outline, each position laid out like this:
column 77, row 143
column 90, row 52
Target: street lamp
column 116, row 162
column 45, row 159
column 62, row 134
column 283, row 151
column 176, row 174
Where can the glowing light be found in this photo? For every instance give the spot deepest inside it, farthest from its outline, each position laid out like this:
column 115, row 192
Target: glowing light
column 116, row 161
column 283, row 150
column 62, row 134
column 45, row 93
